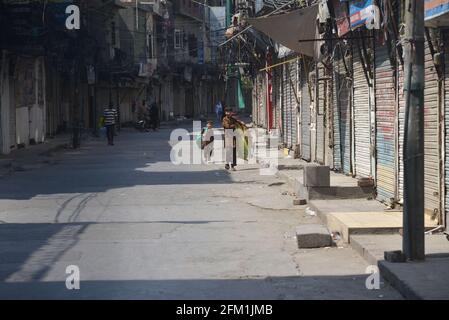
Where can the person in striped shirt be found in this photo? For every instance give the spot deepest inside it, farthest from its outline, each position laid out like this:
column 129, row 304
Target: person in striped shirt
column 110, row 117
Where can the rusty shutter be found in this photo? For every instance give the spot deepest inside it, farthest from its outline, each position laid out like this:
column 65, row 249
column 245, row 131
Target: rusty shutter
column 431, row 136
column 385, row 125
column 361, row 100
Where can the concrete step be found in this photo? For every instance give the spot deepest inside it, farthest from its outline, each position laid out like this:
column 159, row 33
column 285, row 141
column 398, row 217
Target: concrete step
column 414, row 280
column 348, row 224
column 341, row 187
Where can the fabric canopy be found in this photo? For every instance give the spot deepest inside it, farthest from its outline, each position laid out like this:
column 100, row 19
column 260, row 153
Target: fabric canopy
column 290, row 28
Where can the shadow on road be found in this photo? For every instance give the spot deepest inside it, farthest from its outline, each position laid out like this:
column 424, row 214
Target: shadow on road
column 273, row 288
column 136, row 160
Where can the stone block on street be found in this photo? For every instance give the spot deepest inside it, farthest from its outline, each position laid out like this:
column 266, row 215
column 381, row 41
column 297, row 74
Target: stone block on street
column 313, row 236
column 316, row 176
column 299, row 202
column 394, row 256
column 365, row 182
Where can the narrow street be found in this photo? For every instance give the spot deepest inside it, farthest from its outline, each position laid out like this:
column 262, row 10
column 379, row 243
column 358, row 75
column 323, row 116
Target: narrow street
column 139, row 227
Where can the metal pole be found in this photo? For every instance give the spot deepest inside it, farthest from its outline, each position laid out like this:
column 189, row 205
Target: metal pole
column 413, row 218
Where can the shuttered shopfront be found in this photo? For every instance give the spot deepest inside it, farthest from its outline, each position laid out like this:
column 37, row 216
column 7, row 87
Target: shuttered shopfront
column 446, row 119
column 294, row 101
column 285, row 117
column 320, row 109
column 305, row 111
column 342, row 115
column 277, row 99
column 286, row 103
column 362, row 108
column 401, row 125
column 337, row 163
column 386, row 110
column 431, row 136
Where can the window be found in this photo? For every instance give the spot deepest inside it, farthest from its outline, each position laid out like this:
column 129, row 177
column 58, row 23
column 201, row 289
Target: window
column 178, row 39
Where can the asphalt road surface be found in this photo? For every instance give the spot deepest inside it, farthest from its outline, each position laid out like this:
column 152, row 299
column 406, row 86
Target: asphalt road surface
column 138, row 227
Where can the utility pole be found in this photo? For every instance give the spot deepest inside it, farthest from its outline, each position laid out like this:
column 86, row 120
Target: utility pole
column 413, row 218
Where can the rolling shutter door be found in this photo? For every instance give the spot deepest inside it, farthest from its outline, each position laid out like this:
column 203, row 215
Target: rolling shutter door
column 446, row 119
column 321, row 107
column 385, row 126
column 305, row 114
column 343, row 89
column 337, row 165
column 287, row 106
column 431, row 135
column 284, row 107
column 293, row 101
column 401, row 134
column 361, row 100
column 278, row 99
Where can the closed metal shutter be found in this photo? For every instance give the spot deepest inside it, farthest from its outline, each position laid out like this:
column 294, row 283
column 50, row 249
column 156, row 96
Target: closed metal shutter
column 293, row 101
column 277, row 91
column 284, row 107
column 385, row 126
column 305, row 112
column 343, row 96
column 401, row 121
column 320, row 112
column 431, row 136
column 287, row 106
column 362, row 139
column 446, row 119
column 337, row 165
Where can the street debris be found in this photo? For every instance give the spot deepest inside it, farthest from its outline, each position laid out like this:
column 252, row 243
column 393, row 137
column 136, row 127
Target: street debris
column 336, row 236
column 310, row 212
column 275, row 184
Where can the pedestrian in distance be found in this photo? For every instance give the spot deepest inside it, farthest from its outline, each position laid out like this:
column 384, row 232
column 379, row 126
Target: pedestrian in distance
column 154, row 115
column 110, row 119
column 219, row 111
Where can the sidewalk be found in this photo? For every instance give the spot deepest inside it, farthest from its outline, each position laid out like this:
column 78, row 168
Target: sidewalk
column 35, row 156
column 371, row 229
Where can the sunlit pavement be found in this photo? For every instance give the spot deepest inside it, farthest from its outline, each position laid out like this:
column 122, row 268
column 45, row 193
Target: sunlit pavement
column 139, row 227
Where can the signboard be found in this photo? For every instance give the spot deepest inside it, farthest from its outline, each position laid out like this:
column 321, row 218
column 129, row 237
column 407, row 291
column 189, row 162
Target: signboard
column 341, row 17
column 435, row 8
column 364, row 12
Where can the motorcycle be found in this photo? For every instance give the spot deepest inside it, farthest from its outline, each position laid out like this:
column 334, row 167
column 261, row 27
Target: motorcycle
column 141, row 125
